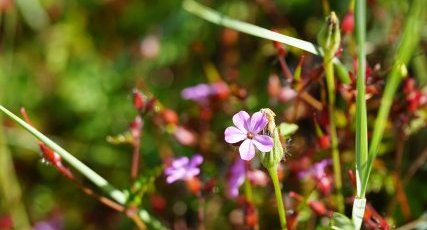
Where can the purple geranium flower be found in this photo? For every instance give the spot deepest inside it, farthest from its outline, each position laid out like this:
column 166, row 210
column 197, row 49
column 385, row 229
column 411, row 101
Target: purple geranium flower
column 183, row 168
column 246, row 129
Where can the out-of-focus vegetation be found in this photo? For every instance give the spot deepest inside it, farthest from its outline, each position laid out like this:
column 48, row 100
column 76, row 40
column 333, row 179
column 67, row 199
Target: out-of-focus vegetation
column 73, row 65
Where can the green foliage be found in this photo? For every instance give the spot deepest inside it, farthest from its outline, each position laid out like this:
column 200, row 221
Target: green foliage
column 340, row 222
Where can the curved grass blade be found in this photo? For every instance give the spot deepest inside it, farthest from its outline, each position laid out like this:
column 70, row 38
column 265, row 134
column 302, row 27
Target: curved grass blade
column 99, row 181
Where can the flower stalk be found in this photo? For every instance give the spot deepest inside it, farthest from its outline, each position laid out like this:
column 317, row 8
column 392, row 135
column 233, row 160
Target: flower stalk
column 278, row 192
column 329, row 38
column 271, row 162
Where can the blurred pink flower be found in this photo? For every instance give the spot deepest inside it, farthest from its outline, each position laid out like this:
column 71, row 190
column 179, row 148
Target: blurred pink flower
column 246, row 129
column 236, row 178
column 287, row 93
column 318, row 172
column 258, row 177
column 183, row 168
column 184, row 136
column 202, row 92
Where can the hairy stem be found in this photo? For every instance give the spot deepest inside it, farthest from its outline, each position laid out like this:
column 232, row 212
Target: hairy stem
column 278, row 192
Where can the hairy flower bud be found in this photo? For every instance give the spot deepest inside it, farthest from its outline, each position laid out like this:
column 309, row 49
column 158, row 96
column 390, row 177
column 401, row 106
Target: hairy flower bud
column 272, row 159
column 329, row 36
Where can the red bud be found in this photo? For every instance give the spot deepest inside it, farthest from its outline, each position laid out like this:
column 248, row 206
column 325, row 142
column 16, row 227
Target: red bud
column 138, row 100
column 324, row 142
column 318, row 207
column 347, row 24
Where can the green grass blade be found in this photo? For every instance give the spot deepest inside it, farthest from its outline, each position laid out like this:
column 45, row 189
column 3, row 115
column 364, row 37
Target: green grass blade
column 361, row 150
column 361, row 117
column 219, row 19
column 70, row 159
column 95, row 178
column 408, row 42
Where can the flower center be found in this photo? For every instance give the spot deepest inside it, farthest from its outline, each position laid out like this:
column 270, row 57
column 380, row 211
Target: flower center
column 250, row 135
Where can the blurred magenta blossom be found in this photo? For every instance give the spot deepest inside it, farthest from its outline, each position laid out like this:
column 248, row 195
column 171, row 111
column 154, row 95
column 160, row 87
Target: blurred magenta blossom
column 183, row 168
column 246, row 129
column 202, row 92
column 318, row 172
column 236, row 178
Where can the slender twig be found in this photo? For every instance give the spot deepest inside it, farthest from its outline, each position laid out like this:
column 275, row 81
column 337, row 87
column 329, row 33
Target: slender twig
column 136, row 146
column 413, row 168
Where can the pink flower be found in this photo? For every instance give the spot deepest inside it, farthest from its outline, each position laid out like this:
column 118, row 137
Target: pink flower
column 246, row 129
column 236, row 179
column 183, row 168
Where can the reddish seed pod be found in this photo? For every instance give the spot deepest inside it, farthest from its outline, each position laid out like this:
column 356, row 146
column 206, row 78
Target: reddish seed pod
column 6, row 222
column 138, row 100
column 347, row 24
column 324, row 142
column 158, row 203
column 318, row 207
column 169, row 116
column 352, row 177
column 150, row 104
column 135, row 127
column 194, row 185
column 325, row 185
column 280, row 50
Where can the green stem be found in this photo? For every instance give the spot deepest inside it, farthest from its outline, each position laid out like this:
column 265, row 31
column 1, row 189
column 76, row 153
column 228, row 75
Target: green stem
column 277, row 191
column 95, row 178
column 330, row 82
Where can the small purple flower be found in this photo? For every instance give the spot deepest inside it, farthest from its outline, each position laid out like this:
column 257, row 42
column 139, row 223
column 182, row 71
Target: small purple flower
column 183, row 168
column 317, row 170
column 237, row 177
column 246, row 129
column 199, row 93
column 202, row 92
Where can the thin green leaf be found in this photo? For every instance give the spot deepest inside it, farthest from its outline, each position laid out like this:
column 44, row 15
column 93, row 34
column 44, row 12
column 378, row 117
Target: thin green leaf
column 361, row 117
column 219, row 19
column 408, row 42
column 99, row 181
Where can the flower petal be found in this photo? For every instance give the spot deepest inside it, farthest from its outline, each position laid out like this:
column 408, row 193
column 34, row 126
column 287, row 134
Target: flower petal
column 180, row 162
column 190, row 173
column 258, row 122
column 233, row 135
column 263, row 142
column 247, row 150
column 173, row 176
column 195, row 161
column 241, row 120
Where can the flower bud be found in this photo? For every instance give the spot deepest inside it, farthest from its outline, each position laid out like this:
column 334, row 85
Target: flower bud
column 273, row 158
column 138, row 100
column 347, row 24
column 318, row 207
column 329, row 36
